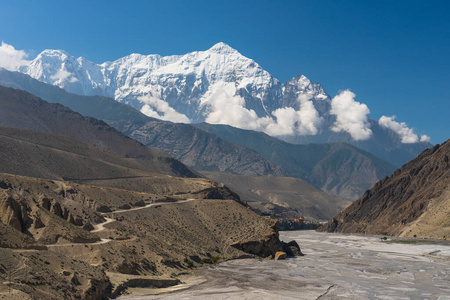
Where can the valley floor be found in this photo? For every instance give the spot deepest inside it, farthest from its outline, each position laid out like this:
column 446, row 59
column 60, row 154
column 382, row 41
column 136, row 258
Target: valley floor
column 335, row 266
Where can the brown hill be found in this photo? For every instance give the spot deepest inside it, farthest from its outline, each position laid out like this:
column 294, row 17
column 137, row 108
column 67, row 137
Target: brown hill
column 413, row 202
column 137, row 237
column 286, row 197
column 20, row 109
column 50, row 156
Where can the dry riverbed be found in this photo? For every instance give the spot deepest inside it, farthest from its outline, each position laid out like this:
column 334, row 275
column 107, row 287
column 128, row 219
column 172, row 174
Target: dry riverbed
column 335, row 266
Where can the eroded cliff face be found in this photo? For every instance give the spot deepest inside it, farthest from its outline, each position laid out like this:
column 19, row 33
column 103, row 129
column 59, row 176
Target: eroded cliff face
column 414, row 201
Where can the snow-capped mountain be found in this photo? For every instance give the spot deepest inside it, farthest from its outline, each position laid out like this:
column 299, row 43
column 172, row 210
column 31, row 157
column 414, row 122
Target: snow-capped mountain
column 187, row 83
column 221, row 86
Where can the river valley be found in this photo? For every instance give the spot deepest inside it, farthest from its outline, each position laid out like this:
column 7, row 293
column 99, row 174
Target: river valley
column 335, row 266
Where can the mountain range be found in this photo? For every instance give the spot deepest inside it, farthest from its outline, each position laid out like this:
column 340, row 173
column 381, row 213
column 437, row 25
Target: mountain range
column 221, row 86
column 340, row 169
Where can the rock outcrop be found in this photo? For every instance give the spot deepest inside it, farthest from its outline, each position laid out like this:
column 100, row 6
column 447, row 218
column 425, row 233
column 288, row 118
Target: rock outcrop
column 269, row 245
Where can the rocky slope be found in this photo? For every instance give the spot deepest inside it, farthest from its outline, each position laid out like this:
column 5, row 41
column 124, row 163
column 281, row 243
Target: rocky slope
column 50, row 156
column 413, row 202
column 206, row 85
column 287, row 198
column 199, row 149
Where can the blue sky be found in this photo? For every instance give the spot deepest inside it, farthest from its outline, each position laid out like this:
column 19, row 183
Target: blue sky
column 394, row 55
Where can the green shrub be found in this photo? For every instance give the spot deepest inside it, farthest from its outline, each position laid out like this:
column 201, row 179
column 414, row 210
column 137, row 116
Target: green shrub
column 215, row 259
column 190, row 264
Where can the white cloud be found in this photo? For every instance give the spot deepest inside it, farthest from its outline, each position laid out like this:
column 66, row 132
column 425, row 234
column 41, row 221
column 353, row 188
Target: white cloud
column 230, row 110
column 305, row 121
column 160, row 109
column 424, row 138
column 351, row 116
column 62, row 75
column 11, row 59
column 406, row 134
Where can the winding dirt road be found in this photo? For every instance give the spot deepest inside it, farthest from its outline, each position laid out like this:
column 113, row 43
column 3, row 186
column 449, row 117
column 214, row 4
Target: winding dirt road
column 147, row 206
column 101, row 226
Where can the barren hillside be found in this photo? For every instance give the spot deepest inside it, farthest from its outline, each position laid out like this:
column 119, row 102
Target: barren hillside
column 413, row 202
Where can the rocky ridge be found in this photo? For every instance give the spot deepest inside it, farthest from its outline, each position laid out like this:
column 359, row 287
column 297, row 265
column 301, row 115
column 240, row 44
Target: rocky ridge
column 414, row 201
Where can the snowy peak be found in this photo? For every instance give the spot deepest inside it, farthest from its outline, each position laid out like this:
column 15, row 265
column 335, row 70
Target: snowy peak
column 301, row 82
column 175, row 88
column 222, row 48
column 302, row 85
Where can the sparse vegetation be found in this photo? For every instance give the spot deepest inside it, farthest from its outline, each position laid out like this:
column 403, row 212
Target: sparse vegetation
column 190, row 264
column 405, row 242
column 212, row 260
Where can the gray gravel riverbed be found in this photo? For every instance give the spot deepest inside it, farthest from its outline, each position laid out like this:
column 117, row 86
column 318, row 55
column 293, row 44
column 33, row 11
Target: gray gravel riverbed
column 335, row 266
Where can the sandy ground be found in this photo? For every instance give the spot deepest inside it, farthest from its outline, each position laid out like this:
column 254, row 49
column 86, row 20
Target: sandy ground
column 335, row 266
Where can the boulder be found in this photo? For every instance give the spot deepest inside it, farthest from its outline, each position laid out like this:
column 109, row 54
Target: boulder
column 292, row 249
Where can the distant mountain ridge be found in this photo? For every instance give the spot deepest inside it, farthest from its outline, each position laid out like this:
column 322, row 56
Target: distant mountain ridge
column 337, row 168
column 215, row 86
column 262, row 155
column 285, row 197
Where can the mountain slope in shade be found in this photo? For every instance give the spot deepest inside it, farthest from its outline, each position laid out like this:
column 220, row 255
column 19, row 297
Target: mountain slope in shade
column 287, row 197
column 339, row 169
column 199, row 149
column 20, row 109
column 57, row 157
column 190, row 145
column 414, row 201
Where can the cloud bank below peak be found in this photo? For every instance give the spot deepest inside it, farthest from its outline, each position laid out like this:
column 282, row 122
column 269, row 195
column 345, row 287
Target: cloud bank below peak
column 351, row 116
column 230, row 110
column 406, row 134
